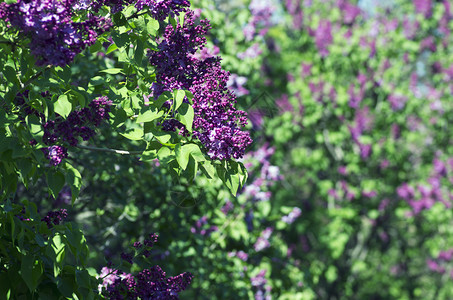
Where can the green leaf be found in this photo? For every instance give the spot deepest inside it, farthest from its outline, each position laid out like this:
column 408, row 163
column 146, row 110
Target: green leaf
column 135, row 134
column 83, row 278
column 113, row 71
column 63, row 107
column 96, row 47
column 55, row 181
column 139, row 51
column 182, row 156
column 149, row 115
column 31, row 270
column 184, row 152
column 179, row 98
column 120, row 39
column 186, row 115
column 74, row 179
column 10, row 74
column 111, row 48
column 208, row 169
column 162, row 137
column 152, row 27
column 164, row 155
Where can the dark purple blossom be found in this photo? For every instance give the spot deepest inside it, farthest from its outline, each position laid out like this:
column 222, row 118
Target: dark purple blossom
column 54, row 37
column 55, row 217
column 216, row 123
column 55, row 154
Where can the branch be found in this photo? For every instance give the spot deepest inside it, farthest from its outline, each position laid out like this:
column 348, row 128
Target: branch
column 36, row 75
column 122, row 152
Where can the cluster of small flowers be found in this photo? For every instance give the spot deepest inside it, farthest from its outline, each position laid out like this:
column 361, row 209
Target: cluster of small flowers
column 145, row 247
column 200, row 227
column 292, row 216
column 295, row 10
column 350, row 11
column 263, row 240
column 321, row 91
column 54, row 37
column 150, row 283
column 239, row 254
column 323, row 36
column 76, row 125
column 261, row 19
column 438, row 265
column 268, row 174
column 262, row 290
column 363, row 121
column 159, row 9
column 55, row 217
column 347, row 193
column 428, row 195
column 216, row 123
column 55, row 154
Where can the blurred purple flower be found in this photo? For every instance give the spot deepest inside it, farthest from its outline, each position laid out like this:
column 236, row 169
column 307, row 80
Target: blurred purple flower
column 423, row 7
column 323, row 37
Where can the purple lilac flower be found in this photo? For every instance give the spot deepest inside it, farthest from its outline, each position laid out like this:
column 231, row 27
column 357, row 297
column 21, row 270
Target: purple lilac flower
column 428, row 43
column 446, row 255
column 77, row 124
column 423, row 7
column 150, row 283
column 251, row 52
column 216, row 123
column 349, row 10
column 261, row 18
column 410, row 28
column 323, row 37
column 55, row 154
column 56, row 39
column 397, row 101
column 292, row 216
column 235, row 84
column 55, row 217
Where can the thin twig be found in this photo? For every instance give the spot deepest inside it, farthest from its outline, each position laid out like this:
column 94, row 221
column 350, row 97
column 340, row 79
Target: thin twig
column 122, row 152
column 36, row 75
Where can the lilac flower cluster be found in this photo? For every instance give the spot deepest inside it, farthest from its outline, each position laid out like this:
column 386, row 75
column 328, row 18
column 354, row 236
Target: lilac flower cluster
column 216, row 123
column 438, row 264
column 150, row 283
column 345, row 191
column 323, row 37
column 295, row 10
column 239, row 254
column 76, row 125
column 292, row 216
column 425, row 196
column 159, row 9
column 261, row 19
column 262, row 290
column 362, row 122
column 321, row 91
column 55, row 217
column 350, row 11
column 262, row 241
column 202, row 227
column 268, row 174
column 54, row 37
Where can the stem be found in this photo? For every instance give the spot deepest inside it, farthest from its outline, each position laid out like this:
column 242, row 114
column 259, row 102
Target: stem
column 36, row 75
column 8, row 43
column 122, row 152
